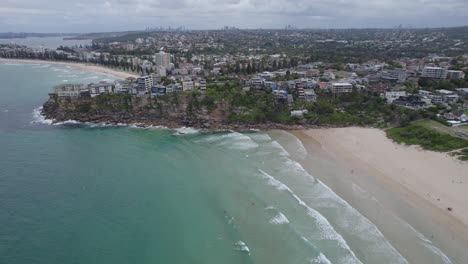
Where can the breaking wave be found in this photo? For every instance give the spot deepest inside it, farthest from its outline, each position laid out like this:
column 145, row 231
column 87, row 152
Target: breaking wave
column 241, row 246
column 39, row 118
column 327, row 232
column 279, row 219
column 186, row 131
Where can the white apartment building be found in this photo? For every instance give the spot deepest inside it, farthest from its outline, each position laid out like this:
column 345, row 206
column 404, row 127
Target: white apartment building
column 187, row 86
column 394, row 95
column 96, row 89
column 202, row 83
column 162, row 59
column 69, row 90
column 434, row 72
column 456, row 75
column 257, row 81
column 394, row 75
column 449, row 97
column 144, row 83
column 338, row 87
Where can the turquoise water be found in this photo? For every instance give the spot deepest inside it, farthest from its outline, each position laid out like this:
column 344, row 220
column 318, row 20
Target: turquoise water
column 75, row 193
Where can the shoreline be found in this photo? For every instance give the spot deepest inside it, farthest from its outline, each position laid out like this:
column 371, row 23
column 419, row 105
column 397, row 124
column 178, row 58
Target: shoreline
column 77, row 65
column 172, row 124
column 403, row 190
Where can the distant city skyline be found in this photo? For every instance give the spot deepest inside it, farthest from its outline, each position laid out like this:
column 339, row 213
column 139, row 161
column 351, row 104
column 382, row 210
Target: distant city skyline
column 119, row 15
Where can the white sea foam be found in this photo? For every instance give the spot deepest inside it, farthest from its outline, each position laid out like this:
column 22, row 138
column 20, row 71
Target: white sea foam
column 232, row 140
column 241, row 246
column 278, row 146
column 93, row 77
column 60, row 70
column 326, row 229
column 186, row 131
column 323, row 196
column 279, row 219
column 320, row 259
column 260, row 137
column 38, row 118
column 301, row 150
column 41, row 66
column 67, row 122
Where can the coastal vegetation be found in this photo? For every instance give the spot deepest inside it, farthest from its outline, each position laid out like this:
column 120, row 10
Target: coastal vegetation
column 228, row 103
column 418, row 134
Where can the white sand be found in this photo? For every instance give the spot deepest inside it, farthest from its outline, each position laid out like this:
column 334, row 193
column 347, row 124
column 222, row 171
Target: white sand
column 397, row 187
column 437, row 177
column 82, row 66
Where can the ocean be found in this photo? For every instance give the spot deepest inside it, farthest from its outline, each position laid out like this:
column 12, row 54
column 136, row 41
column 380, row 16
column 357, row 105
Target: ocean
column 46, row 42
column 93, row 193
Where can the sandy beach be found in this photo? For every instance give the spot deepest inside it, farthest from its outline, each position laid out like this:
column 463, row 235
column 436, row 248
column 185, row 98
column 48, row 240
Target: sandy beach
column 416, row 198
column 81, row 66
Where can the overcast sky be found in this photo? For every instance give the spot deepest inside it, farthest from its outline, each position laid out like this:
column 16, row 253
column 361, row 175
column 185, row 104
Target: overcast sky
column 117, row 15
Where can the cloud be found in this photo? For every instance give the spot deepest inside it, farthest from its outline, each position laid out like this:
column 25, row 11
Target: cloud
column 24, row 11
column 107, row 15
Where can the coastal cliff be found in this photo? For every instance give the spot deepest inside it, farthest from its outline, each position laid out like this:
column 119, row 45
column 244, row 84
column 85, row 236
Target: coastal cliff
column 171, row 110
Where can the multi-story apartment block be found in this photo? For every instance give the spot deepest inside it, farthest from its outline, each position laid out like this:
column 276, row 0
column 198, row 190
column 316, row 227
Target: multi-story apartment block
column 434, row 72
column 394, row 75
column 144, row 84
column 162, row 59
column 456, row 75
column 338, row 88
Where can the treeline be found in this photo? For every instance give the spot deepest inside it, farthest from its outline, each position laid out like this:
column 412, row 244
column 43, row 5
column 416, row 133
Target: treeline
column 108, row 61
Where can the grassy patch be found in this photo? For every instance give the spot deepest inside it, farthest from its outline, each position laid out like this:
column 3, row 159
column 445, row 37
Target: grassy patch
column 417, row 134
column 462, row 154
column 441, row 128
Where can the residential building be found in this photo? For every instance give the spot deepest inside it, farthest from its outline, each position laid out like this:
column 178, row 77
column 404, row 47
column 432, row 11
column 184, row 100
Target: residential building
column 266, row 75
column 281, row 95
column 96, row 89
column 162, row 59
column 202, row 84
column 144, row 84
column 69, row 90
column 158, row 90
column 449, row 97
column 173, row 88
column 436, row 99
column 434, row 72
column 328, row 75
column 187, row 86
column 394, row 95
column 456, row 75
column 412, row 101
column 424, row 93
column 394, row 75
column 339, row 87
column 462, row 92
column 257, row 82
column 310, row 95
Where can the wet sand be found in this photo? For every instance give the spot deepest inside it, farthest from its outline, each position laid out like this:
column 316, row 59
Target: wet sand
column 403, row 190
